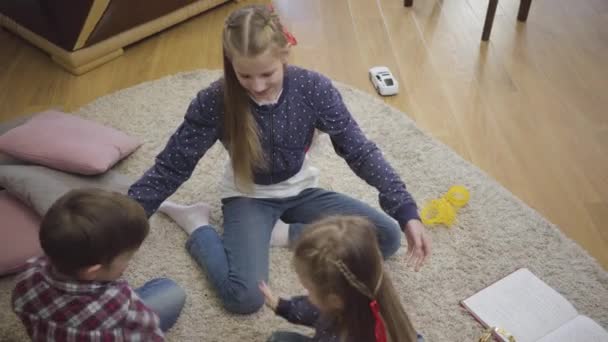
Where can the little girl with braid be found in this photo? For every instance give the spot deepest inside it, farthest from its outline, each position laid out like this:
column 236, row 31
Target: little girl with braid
column 350, row 295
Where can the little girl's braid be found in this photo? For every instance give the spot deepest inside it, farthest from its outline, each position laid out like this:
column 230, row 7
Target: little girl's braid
column 352, row 279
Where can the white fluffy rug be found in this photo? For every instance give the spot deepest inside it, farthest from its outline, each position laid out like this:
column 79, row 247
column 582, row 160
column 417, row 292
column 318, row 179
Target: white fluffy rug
column 496, row 233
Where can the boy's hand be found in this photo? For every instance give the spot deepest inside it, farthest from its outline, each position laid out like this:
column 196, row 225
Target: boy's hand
column 271, row 300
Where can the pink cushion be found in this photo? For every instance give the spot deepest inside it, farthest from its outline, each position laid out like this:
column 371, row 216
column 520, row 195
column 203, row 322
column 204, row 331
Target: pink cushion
column 18, row 234
column 67, row 142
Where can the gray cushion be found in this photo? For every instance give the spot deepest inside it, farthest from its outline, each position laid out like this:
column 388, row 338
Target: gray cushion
column 39, row 187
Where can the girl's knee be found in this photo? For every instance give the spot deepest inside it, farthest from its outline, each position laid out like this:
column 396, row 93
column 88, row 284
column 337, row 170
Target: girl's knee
column 244, row 299
column 389, row 239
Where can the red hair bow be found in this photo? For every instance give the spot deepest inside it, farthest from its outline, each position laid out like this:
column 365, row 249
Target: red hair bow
column 291, row 40
column 379, row 329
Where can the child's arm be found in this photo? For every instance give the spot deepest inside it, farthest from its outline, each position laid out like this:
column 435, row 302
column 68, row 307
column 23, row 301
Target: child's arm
column 361, row 154
column 297, row 310
column 175, row 163
column 367, row 161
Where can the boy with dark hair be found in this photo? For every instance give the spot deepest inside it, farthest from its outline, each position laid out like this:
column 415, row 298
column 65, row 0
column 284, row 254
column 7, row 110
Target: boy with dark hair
column 74, row 293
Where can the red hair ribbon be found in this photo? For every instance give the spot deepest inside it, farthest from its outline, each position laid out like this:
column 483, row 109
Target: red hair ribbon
column 291, row 40
column 379, row 329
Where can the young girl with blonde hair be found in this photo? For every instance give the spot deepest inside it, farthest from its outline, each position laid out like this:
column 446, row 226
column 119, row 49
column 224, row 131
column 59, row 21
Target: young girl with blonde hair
column 265, row 113
column 350, row 295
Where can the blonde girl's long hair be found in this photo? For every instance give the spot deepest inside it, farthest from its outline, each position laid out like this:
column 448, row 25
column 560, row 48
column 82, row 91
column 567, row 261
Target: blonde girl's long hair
column 339, row 255
column 248, row 32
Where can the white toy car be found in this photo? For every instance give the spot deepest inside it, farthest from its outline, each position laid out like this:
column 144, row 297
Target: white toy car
column 383, row 81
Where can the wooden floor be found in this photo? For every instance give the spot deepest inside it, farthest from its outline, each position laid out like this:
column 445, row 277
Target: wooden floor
column 530, row 107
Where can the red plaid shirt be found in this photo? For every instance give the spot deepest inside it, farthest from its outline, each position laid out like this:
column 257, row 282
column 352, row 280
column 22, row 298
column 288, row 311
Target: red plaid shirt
column 54, row 310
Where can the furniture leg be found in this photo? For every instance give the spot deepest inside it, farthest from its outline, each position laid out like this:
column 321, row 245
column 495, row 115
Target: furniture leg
column 524, row 9
column 487, row 26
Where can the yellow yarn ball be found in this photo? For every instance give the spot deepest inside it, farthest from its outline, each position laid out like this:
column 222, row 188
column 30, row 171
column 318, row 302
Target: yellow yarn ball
column 458, row 195
column 443, row 210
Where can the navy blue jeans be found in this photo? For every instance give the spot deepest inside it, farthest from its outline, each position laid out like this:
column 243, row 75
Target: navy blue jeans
column 164, row 297
column 238, row 261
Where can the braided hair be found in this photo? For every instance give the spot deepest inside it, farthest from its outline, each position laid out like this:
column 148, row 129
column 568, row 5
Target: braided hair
column 248, row 32
column 339, row 256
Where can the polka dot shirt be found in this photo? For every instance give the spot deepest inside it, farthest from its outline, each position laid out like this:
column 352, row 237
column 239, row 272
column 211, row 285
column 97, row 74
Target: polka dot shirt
column 309, row 101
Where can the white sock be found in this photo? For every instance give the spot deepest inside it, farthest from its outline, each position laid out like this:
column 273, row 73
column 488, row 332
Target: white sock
column 280, row 234
column 188, row 217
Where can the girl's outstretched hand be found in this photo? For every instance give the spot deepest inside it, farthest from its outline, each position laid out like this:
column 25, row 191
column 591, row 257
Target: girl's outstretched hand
column 271, row 300
column 418, row 244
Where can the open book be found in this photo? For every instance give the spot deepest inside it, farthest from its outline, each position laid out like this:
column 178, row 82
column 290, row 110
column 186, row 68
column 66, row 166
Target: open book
column 531, row 311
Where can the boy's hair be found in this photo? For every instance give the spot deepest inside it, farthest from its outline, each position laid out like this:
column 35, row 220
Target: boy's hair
column 248, row 32
column 87, row 227
column 340, row 256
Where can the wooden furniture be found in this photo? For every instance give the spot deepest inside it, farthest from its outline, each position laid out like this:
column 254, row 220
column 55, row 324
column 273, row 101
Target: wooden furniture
column 524, row 9
column 83, row 34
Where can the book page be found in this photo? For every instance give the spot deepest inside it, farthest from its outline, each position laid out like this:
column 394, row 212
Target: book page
column 521, row 304
column 582, row 328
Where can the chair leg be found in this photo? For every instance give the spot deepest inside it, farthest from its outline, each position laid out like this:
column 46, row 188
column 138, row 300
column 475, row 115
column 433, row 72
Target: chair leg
column 524, row 9
column 487, row 26
column 408, row 3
